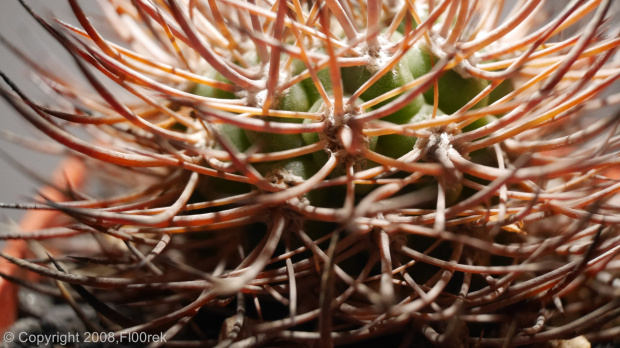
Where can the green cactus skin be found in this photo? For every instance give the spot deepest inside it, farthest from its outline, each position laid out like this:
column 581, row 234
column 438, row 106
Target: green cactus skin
column 309, row 86
column 354, row 77
column 294, row 99
column 503, row 89
column 454, row 90
column 212, row 92
column 396, row 145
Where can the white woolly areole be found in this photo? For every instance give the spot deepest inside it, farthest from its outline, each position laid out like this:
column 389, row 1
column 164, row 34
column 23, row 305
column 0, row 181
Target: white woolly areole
column 440, row 143
column 256, row 99
column 283, row 178
column 376, row 58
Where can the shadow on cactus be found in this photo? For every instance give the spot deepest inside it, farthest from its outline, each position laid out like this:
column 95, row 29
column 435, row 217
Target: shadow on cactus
column 329, row 172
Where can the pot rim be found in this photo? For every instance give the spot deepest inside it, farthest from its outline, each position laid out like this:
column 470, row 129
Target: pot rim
column 70, row 173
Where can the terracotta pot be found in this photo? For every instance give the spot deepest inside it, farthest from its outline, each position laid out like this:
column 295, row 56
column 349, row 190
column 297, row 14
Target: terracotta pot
column 69, row 174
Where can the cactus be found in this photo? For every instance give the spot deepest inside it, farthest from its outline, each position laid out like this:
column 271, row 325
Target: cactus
column 333, row 172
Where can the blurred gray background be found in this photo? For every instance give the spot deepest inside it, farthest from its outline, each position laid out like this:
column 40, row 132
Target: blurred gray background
column 17, row 27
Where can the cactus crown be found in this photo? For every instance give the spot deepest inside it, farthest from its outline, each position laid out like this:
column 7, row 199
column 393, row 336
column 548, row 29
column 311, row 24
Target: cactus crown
column 330, row 171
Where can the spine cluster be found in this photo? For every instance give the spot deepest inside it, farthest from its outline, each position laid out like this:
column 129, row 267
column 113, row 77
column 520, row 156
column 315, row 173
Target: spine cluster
column 331, row 171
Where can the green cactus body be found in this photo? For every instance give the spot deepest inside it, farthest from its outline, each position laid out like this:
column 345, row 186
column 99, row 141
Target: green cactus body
column 308, row 84
column 397, row 145
column 354, row 77
column 503, row 89
column 213, row 92
column 295, row 99
column 454, row 90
